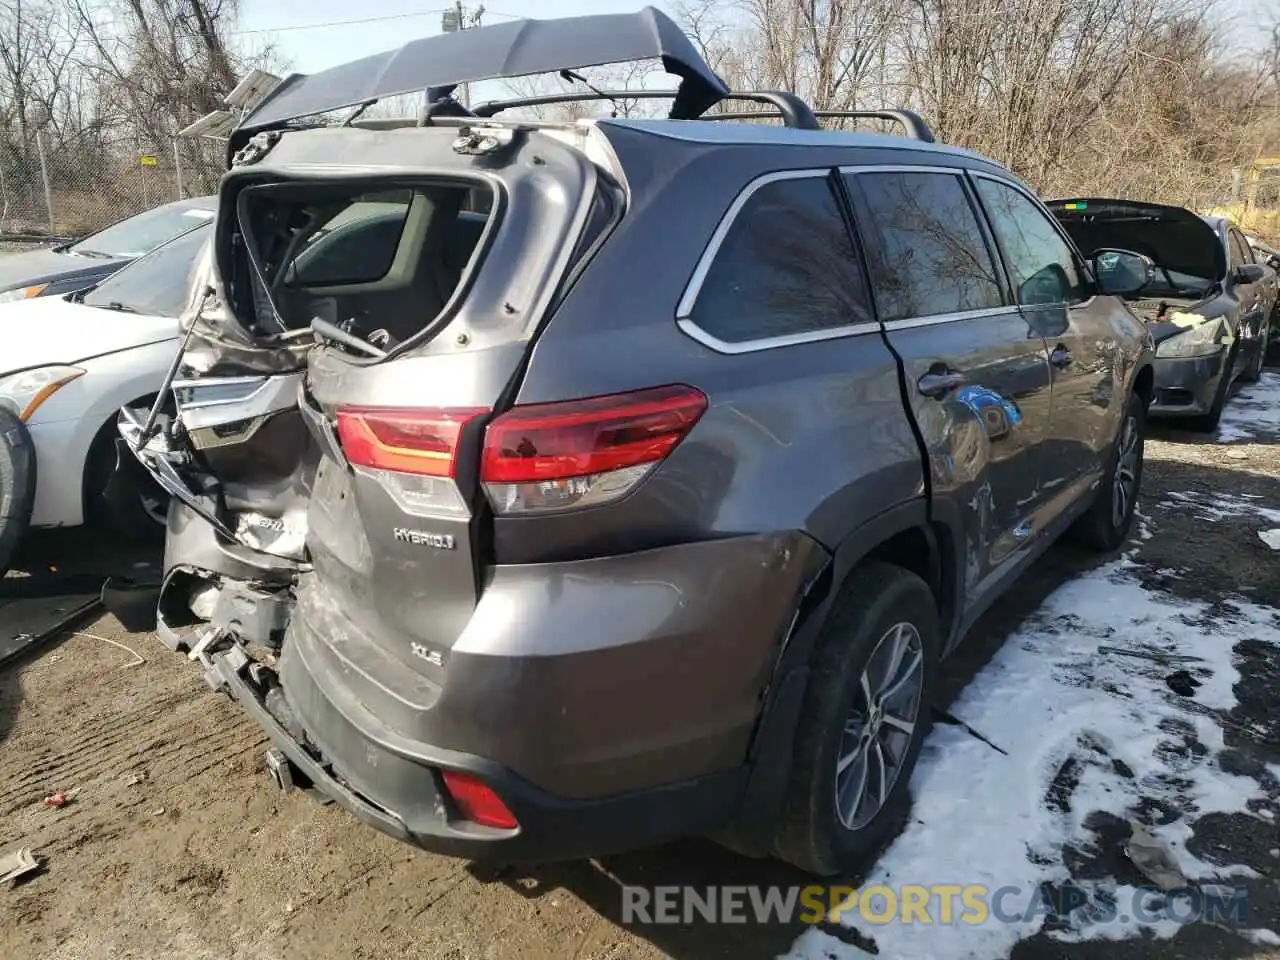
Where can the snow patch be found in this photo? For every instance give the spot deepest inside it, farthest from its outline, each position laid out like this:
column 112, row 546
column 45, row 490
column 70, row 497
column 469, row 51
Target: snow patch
column 1254, row 411
column 1270, row 537
column 1080, row 700
column 1216, row 507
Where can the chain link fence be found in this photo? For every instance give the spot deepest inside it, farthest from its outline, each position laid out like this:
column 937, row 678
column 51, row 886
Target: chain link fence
column 51, row 191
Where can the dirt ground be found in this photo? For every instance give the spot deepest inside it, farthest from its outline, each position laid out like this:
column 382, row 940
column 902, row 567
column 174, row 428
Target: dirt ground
column 176, row 845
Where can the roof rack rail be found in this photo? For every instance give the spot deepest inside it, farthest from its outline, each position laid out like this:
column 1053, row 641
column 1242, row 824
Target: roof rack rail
column 794, row 111
column 912, row 122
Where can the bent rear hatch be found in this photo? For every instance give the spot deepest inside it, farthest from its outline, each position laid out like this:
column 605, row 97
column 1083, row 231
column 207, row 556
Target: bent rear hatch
column 408, row 272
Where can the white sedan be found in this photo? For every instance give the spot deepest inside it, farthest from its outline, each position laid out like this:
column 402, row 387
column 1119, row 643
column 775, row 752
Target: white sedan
column 67, row 365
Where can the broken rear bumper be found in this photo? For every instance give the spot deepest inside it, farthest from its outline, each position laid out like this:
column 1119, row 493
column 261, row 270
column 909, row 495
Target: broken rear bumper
column 551, row 827
column 600, row 732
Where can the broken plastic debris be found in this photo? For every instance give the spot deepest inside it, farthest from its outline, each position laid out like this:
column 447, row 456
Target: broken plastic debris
column 1271, row 538
column 58, row 799
column 1154, row 858
column 14, row 866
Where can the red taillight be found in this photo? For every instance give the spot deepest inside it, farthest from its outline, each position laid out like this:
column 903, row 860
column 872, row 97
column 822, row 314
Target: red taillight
column 583, row 452
column 556, row 441
column 476, row 802
column 404, row 440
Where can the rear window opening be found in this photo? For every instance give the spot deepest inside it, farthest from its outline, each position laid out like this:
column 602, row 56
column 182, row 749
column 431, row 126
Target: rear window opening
column 382, row 264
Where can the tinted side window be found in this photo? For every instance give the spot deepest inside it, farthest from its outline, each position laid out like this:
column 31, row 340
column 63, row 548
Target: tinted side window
column 786, row 266
column 1240, row 253
column 1042, row 267
column 925, row 247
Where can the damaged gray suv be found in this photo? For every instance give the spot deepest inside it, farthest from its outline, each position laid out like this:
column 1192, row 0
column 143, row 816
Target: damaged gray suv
column 599, row 483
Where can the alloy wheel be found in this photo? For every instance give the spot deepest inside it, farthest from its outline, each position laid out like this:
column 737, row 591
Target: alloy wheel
column 1124, row 486
column 877, row 735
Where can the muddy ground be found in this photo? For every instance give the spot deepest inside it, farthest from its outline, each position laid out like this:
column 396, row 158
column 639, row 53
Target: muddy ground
column 176, row 845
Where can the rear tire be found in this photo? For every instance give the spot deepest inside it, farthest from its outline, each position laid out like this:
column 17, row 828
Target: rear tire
column 844, row 735
column 1106, row 526
column 17, row 485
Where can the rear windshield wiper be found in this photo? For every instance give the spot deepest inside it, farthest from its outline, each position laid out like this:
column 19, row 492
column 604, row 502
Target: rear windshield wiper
column 327, row 330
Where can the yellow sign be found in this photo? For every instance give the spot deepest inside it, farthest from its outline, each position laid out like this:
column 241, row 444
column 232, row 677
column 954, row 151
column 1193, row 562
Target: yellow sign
column 148, row 160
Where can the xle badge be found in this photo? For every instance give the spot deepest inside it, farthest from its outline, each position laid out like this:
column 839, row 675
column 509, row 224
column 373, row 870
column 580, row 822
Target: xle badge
column 420, row 538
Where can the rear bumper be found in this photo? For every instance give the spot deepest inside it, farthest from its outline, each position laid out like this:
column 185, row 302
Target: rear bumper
column 614, row 710
column 1187, row 387
column 415, row 808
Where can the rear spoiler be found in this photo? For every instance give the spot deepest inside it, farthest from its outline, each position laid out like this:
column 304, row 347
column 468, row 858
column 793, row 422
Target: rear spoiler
column 442, row 63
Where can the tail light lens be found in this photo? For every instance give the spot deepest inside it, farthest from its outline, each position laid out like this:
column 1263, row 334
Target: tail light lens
column 477, row 802
column 540, row 457
column 412, row 452
column 583, row 452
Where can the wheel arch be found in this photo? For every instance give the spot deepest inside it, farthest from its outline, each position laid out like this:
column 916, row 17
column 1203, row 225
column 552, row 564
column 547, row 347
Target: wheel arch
column 103, row 437
column 918, row 536
column 1144, row 382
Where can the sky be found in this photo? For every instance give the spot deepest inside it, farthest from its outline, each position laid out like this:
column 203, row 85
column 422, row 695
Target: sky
column 292, row 25
column 311, row 35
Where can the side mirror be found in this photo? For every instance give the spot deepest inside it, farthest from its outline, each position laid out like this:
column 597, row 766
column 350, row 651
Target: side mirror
column 1249, row 273
column 1121, row 273
column 1045, row 287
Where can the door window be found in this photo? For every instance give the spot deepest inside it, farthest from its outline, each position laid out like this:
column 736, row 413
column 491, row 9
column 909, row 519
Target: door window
column 786, row 266
column 925, row 247
column 1042, row 266
column 1240, row 252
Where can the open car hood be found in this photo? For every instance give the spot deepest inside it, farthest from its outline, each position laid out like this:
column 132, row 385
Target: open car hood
column 1174, row 237
column 513, row 49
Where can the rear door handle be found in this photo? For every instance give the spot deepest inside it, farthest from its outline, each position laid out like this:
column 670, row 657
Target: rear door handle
column 937, row 384
column 1060, row 357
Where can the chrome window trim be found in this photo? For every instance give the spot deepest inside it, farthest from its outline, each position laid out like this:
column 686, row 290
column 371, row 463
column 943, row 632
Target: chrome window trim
column 908, row 323
column 855, row 169
column 691, row 329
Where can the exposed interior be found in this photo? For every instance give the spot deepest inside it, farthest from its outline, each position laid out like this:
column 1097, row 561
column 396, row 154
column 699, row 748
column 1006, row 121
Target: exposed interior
column 381, row 264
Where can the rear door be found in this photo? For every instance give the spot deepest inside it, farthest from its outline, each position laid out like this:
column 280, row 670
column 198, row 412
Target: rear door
column 976, row 372
column 1082, row 333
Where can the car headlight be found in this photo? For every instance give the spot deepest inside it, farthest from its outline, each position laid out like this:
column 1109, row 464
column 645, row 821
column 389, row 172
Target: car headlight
column 22, row 393
column 1202, row 340
column 23, row 293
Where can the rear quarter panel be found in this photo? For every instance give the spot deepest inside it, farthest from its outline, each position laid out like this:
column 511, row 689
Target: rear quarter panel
column 810, row 437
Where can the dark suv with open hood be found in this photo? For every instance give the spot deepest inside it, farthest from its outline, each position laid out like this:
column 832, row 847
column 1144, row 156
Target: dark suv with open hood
column 628, row 478
column 1206, row 302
